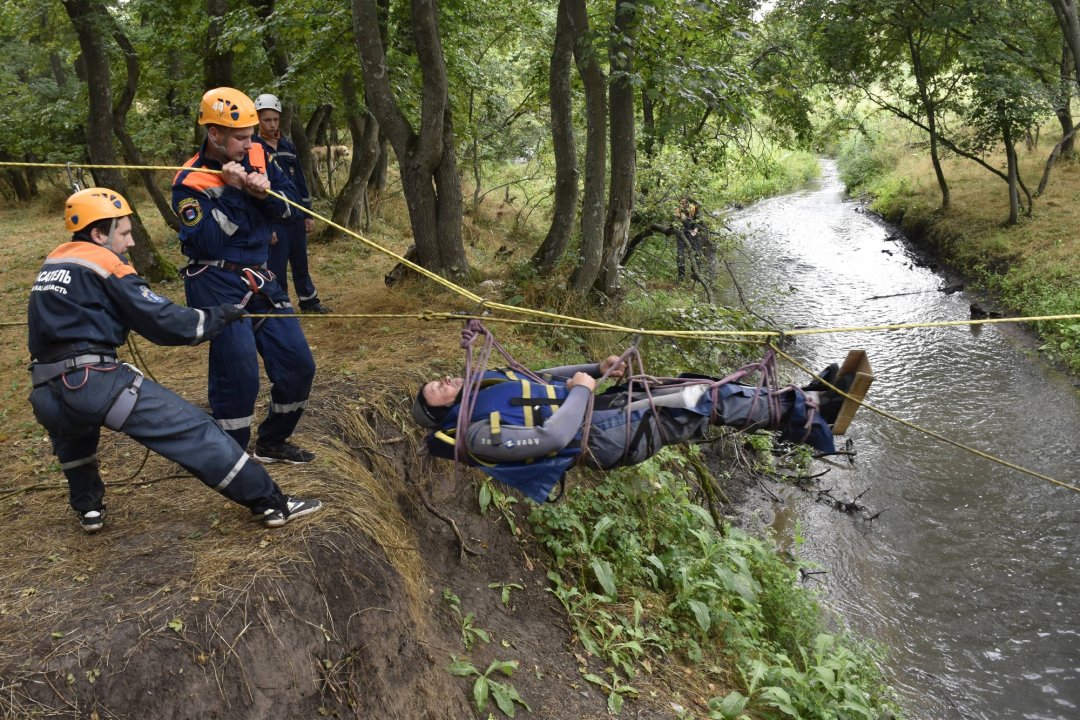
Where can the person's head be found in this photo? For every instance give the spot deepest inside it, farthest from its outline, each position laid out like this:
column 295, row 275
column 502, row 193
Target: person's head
column 230, row 119
column 100, row 216
column 269, row 109
column 434, row 400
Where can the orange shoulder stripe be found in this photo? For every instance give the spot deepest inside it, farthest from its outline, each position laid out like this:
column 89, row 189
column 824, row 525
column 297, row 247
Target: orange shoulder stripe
column 94, row 257
column 197, row 180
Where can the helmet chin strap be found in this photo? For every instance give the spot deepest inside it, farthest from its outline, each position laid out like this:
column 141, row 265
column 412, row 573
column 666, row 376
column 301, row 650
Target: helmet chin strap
column 220, row 148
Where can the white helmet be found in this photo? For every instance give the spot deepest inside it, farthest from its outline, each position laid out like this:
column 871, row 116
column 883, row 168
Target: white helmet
column 266, row 101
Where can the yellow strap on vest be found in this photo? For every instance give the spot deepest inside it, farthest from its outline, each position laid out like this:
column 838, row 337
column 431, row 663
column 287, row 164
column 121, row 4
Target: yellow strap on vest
column 448, row 439
column 526, row 394
column 496, row 426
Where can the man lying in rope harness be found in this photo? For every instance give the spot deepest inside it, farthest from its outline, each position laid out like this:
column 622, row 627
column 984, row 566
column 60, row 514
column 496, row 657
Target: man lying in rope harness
column 85, row 301
column 527, row 429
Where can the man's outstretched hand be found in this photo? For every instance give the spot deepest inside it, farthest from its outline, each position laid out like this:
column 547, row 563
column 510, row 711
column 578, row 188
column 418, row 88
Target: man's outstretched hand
column 613, row 361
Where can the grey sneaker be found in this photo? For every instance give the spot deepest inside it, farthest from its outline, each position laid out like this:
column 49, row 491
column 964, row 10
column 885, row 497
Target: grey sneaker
column 92, row 520
column 267, row 453
column 298, row 507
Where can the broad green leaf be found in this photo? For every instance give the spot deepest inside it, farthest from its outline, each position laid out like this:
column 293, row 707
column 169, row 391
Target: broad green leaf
column 701, row 614
column 480, row 693
column 605, row 575
column 502, row 698
column 732, row 704
column 462, row 668
column 614, row 703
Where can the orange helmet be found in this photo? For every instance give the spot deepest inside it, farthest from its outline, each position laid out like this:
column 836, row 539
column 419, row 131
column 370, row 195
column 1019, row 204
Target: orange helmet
column 228, row 107
column 93, row 204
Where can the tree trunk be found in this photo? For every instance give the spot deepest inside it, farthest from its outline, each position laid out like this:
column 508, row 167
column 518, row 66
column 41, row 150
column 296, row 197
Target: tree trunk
column 429, row 175
column 648, row 122
column 623, row 143
column 931, row 118
column 1062, row 108
column 365, row 138
column 217, row 65
column 562, row 138
column 88, row 18
column 592, row 204
column 17, row 179
column 132, row 154
column 1010, row 155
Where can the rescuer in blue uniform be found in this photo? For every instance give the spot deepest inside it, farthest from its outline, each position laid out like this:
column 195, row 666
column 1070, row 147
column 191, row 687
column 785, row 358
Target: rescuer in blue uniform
column 83, row 304
column 289, row 239
column 528, row 434
column 225, row 226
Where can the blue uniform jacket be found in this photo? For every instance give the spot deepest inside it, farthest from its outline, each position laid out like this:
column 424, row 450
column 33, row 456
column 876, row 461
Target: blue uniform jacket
column 87, row 297
column 220, row 222
column 522, row 433
column 288, row 159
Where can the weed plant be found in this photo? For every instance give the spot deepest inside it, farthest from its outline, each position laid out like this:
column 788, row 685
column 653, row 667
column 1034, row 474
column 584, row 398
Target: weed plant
column 645, row 574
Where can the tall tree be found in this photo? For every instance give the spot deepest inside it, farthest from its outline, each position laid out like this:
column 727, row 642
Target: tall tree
column 426, row 156
column 623, row 141
column 217, row 62
column 92, row 23
column 562, row 136
column 592, row 203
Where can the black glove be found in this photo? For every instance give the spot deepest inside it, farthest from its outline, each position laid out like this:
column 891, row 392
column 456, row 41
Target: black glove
column 233, row 312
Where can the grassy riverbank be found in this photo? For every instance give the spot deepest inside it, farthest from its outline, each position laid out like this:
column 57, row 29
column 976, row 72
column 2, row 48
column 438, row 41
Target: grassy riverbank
column 666, row 609
column 1032, row 267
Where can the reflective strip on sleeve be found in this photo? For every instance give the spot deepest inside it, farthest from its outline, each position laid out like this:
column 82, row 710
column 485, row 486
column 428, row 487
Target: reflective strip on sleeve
column 227, row 226
column 200, row 327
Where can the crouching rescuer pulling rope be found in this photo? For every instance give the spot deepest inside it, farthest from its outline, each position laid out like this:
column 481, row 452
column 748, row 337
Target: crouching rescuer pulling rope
column 528, row 428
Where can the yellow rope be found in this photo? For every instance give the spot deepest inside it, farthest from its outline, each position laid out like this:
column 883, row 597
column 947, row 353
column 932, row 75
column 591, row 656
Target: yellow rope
column 925, row 431
column 585, row 324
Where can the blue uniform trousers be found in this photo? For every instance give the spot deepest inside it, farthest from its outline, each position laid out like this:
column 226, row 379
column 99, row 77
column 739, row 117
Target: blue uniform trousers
column 73, row 408
column 621, row 435
column 291, row 250
column 234, row 356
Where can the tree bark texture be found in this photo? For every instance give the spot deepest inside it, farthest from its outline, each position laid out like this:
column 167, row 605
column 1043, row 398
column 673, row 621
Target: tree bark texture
column 90, row 21
column 132, row 154
column 623, row 143
column 217, row 65
column 931, row 117
column 592, row 203
column 364, row 130
column 562, row 138
column 429, row 174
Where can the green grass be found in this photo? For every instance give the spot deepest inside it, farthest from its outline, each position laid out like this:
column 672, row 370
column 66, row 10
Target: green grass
column 1031, row 266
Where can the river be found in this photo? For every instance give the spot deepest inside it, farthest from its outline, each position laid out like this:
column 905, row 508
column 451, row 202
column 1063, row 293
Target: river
column 970, row 575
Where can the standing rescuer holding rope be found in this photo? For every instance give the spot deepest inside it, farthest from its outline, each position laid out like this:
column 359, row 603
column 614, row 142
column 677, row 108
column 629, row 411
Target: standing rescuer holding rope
column 225, row 225
column 83, row 304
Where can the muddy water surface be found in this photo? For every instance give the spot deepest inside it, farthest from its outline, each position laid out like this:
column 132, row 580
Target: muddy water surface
column 971, row 573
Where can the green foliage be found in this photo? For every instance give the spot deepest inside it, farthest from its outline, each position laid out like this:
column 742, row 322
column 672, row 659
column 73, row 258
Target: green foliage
column 861, row 161
column 643, row 573
column 505, row 695
column 470, row 633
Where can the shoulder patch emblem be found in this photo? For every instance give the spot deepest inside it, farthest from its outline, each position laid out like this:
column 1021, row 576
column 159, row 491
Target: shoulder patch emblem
column 150, row 295
column 189, row 211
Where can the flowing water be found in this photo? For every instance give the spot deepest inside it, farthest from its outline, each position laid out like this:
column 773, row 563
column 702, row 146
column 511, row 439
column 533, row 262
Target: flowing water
column 970, row 575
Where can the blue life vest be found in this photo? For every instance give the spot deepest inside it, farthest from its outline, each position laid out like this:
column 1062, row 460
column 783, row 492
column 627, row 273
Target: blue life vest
column 504, row 399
